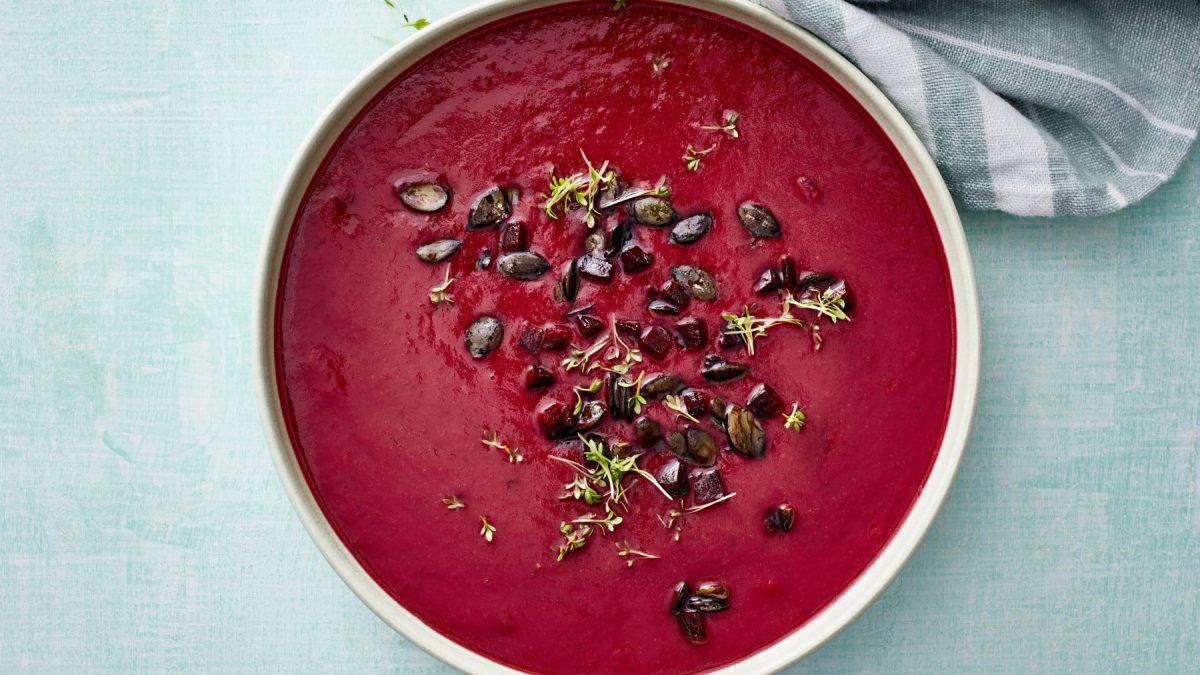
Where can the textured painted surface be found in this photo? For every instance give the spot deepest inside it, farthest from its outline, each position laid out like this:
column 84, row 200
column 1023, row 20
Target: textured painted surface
column 141, row 523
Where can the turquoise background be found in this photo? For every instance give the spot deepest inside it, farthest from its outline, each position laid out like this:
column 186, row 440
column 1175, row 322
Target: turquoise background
column 141, row 523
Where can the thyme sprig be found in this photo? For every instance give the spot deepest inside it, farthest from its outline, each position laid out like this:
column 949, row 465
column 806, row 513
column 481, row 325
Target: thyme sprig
column 794, row 420
column 453, row 503
column 578, row 190
column 691, row 158
column 749, row 327
column 728, row 124
column 614, row 350
column 632, row 554
column 488, row 531
column 674, row 402
column 440, row 293
column 829, row 303
column 514, row 454
column 609, row 522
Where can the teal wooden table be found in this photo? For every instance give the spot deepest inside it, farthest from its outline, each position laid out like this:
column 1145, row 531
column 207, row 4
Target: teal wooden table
column 141, row 523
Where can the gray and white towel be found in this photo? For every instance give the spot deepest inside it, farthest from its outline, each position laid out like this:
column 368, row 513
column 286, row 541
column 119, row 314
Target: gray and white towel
column 1034, row 108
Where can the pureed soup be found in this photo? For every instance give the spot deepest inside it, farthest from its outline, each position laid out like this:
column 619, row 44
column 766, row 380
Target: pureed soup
column 615, row 341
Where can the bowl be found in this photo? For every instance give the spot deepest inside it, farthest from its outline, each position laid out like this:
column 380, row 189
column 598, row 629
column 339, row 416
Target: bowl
column 343, row 111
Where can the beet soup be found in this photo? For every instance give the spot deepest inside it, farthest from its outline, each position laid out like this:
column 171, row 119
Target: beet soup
column 615, row 341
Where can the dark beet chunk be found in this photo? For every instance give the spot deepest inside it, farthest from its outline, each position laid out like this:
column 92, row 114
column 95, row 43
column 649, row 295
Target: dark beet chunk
column 634, row 258
column 675, row 293
column 717, row 369
column 758, row 221
column 695, row 401
column 522, row 265
column 629, row 328
column 693, row 332
column 779, row 518
column 648, row 431
column 706, row 486
column 763, row 401
column 588, row 324
column 656, row 340
column 769, row 281
column 514, row 237
column 555, row 419
column 488, row 209
column 537, row 377
column 556, row 337
column 663, row 307
column 726, row 340
column 595, row 268
column 787, row 271
column 483, row 336
column 691, row 624
column 691, row 229
column 531, row 339
column 673, row 478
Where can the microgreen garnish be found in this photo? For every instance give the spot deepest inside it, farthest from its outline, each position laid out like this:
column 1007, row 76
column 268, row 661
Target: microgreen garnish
column 632, row 554
column 452, row 503
column 794, row 420
column 417, row 25
column 660, row 63
column 728, row 125
column 514, row 455
column 439, row 294
column 830, row 302
column 619, row 5
column 488, row 531
column 675, row 403
column 749, row 327
column 574, row 538
column 609, row 522
column 675, row 515
column 697, row 509
column 578, row 190
column 691, row 158
column 605, row 476
column 580, row 391
column 638, row 400
column 614, row 349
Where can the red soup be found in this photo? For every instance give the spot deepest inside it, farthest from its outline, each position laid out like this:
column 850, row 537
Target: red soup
column 498, row 451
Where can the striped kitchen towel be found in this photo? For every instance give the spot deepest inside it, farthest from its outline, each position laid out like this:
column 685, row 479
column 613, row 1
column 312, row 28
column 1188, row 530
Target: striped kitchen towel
column 1034, row 108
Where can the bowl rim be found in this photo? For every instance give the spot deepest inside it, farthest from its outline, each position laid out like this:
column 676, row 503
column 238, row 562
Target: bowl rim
column 374, row 78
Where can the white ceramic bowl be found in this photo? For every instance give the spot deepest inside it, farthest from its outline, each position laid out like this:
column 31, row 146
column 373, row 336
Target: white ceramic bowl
column 375, row 78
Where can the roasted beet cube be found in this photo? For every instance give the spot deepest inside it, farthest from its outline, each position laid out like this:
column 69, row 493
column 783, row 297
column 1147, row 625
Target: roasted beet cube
column 673, row 478
column 787, row 271
column 663, row 307
column 656, row 340
column 531, row 339
column 514, row 236
column 693, row 332
column 634, row 258
column 763, row 401
column 629, row 328
column 648, row 431
column 588, row 324
column 706, row 486
column 554, row 418
column 596, row 268
column 727, row 340
column 556, row 337
column 537, row 377
column 675, row 293
column 769, row 281
column 695, row 401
